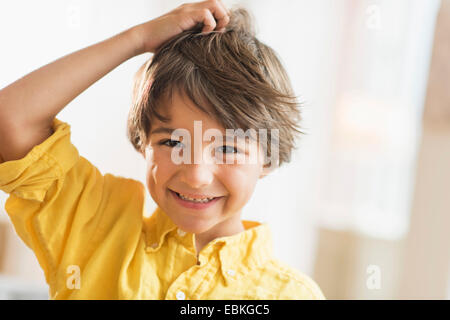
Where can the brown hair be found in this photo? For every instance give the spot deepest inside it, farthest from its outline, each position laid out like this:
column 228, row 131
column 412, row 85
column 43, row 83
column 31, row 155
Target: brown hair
column 240, row 79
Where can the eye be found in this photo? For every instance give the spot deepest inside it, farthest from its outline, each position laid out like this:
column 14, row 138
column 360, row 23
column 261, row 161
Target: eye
column 170, row 143
column 228, row 149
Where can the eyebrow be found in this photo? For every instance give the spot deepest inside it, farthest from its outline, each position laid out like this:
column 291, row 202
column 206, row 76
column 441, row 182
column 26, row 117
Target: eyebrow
column 162, row 130
column 170, row 130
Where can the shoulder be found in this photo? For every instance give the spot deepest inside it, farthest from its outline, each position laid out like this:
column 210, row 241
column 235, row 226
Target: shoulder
column 108, row 195
column 122, row 191
column 293, row 284
column 124, row 184
column 90, row 179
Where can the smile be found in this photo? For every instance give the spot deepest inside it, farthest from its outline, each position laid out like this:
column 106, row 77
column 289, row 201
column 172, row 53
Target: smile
column 205, row 200
column 194, row 203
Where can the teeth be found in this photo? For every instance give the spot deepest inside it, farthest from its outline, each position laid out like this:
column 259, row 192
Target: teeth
column 194, row 200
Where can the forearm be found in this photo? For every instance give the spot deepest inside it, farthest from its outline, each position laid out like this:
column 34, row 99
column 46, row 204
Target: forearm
column 29, row 105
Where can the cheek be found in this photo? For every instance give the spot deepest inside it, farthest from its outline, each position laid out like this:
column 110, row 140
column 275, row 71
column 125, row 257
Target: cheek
column 240, row 180
column 159, row 171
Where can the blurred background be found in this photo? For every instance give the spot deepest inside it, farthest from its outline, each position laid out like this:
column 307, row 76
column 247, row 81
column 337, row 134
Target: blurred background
column 364, row 206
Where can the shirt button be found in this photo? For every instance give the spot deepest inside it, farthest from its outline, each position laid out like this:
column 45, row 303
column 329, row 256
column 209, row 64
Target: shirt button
column 181, row 233
column 181, row 295
column 231, row 272
column 154, row 245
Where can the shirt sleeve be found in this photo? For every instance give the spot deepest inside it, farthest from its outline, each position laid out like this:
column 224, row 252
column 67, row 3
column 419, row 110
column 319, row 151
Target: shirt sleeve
column 62, row 207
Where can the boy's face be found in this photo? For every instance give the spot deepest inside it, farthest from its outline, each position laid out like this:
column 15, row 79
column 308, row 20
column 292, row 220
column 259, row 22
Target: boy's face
column 232, row 182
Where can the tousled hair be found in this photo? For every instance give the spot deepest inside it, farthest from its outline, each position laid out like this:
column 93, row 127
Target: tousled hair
column 231, row 76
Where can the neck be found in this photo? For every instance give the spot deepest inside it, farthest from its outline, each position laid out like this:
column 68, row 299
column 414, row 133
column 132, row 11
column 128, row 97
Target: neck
column 225, row 228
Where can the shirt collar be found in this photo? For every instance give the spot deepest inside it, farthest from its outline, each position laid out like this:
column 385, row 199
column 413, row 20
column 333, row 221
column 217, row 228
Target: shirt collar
column 245, row 251
column 238, row 253
column 156, row 227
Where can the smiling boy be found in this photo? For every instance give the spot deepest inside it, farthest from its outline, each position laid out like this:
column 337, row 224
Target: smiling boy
column 230, row 185
column 195, row 245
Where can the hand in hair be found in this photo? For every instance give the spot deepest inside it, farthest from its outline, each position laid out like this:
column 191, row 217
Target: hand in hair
column 211, row 13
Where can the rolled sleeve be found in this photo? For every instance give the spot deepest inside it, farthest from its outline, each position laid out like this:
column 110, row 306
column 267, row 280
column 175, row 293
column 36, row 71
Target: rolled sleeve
column 69, row 213
column 30, row 177
column 48, row 203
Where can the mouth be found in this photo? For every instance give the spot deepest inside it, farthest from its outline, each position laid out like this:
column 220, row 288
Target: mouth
column 194, row 203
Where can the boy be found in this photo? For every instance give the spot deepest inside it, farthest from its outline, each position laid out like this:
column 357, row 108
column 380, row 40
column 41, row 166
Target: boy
column 88, row 230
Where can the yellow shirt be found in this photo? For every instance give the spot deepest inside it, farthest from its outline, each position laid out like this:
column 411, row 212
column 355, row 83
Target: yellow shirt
column 93, row 241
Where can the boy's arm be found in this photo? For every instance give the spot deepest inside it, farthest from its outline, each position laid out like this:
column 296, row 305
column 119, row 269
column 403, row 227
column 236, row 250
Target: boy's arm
column 28, row 106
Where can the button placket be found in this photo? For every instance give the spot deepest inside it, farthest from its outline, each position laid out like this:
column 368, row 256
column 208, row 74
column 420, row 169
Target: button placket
column 229, row 272
column 181, row 233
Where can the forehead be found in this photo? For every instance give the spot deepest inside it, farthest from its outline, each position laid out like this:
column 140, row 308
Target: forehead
column 182, row 113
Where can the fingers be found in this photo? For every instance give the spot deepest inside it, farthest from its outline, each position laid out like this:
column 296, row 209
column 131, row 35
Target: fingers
column 208, row 21
column 215, row 15
column 220, row 12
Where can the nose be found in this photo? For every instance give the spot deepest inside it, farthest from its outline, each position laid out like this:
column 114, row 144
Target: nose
column 197, row 176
